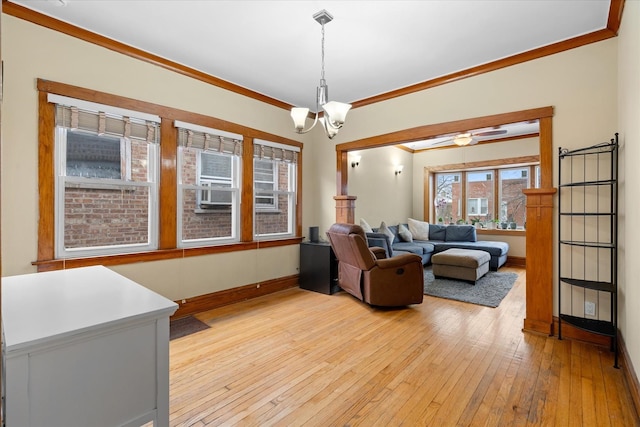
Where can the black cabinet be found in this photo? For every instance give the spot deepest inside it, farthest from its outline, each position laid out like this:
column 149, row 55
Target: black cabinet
column 588, row 239
column 318, row 268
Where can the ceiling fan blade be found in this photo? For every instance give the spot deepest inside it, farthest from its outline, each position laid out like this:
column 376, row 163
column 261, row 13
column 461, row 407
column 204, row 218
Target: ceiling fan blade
column 491, row 132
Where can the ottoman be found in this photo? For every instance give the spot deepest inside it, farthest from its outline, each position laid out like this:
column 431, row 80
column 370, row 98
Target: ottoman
column 462, row 264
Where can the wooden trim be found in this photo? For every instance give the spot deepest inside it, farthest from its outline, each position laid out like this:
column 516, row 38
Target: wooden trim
column 613, row 24
column 46, row 181
column 342, row 172
column 247, row 199
column 615, row 15
column 570, row 332
column 37, row 18
column 629, row 373
column 432, row 130
column 213, row 300
column 167, row 205
column 516, row 261
column 159, row 255
column 299, row 195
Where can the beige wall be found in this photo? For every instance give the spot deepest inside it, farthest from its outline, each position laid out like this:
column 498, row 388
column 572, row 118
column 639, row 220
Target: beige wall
column 382, row 195
column 629, row 231
column 31, row 52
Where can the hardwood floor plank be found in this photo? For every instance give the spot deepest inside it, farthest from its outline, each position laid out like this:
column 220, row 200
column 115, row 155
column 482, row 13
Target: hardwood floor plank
column 299, row 358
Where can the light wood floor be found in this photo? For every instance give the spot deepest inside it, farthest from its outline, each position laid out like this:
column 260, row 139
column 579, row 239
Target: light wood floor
column 301, row 358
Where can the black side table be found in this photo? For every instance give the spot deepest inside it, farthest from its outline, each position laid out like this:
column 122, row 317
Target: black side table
column 318, row 268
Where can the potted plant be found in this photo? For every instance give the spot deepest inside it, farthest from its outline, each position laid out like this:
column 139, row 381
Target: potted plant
column 440, row 221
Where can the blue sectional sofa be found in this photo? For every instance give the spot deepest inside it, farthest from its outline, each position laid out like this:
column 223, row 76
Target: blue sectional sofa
column 441, row 238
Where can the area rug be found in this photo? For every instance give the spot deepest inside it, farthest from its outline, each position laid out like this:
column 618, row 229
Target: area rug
column 487, row 291
column 185, row 326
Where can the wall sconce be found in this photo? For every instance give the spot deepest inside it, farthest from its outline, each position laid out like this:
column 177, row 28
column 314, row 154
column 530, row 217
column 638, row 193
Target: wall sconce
column 355, row 161
column 399, row 169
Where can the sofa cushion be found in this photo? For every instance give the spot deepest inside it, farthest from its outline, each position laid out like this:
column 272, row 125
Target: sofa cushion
column 419, row 229
column 460, row 233
column 404, row 233
column 437, row 232
column 416, row 247
column 386, row 230
column 365, row 226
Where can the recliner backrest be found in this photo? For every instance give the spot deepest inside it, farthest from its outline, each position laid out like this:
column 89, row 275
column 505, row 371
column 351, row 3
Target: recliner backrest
column 349, row 243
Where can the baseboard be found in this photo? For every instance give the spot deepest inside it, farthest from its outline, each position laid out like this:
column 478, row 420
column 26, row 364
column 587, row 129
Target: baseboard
column 516, row 261
column 206, row 302
column 629, row 373
column 572, row 333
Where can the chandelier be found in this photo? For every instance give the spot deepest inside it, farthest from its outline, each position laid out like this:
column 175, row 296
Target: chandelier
column 334, row 112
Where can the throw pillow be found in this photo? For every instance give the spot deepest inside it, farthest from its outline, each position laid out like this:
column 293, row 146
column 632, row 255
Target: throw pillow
column 365, row 226
column 404, row 233
column 384, row 229
column 419, row 229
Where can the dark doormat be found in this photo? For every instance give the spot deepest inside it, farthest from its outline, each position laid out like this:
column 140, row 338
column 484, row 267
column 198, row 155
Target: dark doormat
column 185, row 326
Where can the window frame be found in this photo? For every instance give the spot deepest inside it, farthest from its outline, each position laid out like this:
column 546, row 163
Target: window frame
column 167, row 247
column 123, row 184
column 532, row 163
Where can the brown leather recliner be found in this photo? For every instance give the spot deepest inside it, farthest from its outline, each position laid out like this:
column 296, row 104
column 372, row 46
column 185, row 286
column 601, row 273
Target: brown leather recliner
column 367, row 275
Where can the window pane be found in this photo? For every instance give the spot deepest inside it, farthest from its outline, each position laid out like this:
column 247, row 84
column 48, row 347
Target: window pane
column 274, row 198
column 512, row 200
column 105, row 217
column 209, row 197
column 480, row 196
column 93, row 156
column 448, row 200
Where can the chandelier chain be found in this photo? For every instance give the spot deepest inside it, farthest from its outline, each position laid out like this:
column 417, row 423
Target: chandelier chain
column 322, row 68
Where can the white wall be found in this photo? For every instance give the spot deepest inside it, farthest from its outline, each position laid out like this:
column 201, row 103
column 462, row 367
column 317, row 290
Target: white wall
column 629, row 227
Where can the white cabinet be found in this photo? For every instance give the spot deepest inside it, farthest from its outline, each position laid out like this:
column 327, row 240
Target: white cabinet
column 84, row 347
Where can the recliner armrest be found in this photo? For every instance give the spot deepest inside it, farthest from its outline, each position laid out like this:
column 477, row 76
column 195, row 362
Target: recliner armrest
column 379, row 252
column 399, row 261
column 380, row 240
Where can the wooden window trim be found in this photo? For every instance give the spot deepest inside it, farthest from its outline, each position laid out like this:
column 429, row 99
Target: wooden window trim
column 167, row 227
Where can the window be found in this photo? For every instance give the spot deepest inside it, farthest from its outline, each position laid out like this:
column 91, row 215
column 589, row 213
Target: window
column 275, row 192
column 512, row 200
column 106, row 185
column 216, row 171
column 447, row 197
column 208, row 186
column 265, row 176
column 482, row 199
column 479, row 190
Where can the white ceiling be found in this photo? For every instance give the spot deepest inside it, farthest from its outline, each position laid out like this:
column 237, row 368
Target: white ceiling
column 372, row 47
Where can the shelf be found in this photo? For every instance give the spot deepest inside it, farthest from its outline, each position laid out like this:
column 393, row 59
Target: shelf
column 604, row 147
column 603, row 245
column 589, row 183
column 588, row 214
column 590, row 284
column 600, row 327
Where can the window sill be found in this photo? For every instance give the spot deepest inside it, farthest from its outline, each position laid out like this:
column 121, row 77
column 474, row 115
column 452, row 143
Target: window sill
column 500, row 232
column 158, row 255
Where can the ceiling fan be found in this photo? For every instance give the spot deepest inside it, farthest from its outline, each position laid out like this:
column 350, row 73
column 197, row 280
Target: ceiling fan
column 469, row 138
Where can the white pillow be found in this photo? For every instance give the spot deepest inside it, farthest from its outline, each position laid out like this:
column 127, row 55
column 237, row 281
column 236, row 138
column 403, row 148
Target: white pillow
column 384, row 229
column 404, row 233
column 418, row 229
column 365, row 226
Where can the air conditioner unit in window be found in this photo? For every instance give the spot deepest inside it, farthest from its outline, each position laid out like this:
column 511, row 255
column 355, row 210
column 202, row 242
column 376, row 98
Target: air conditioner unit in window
column 213, row 196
